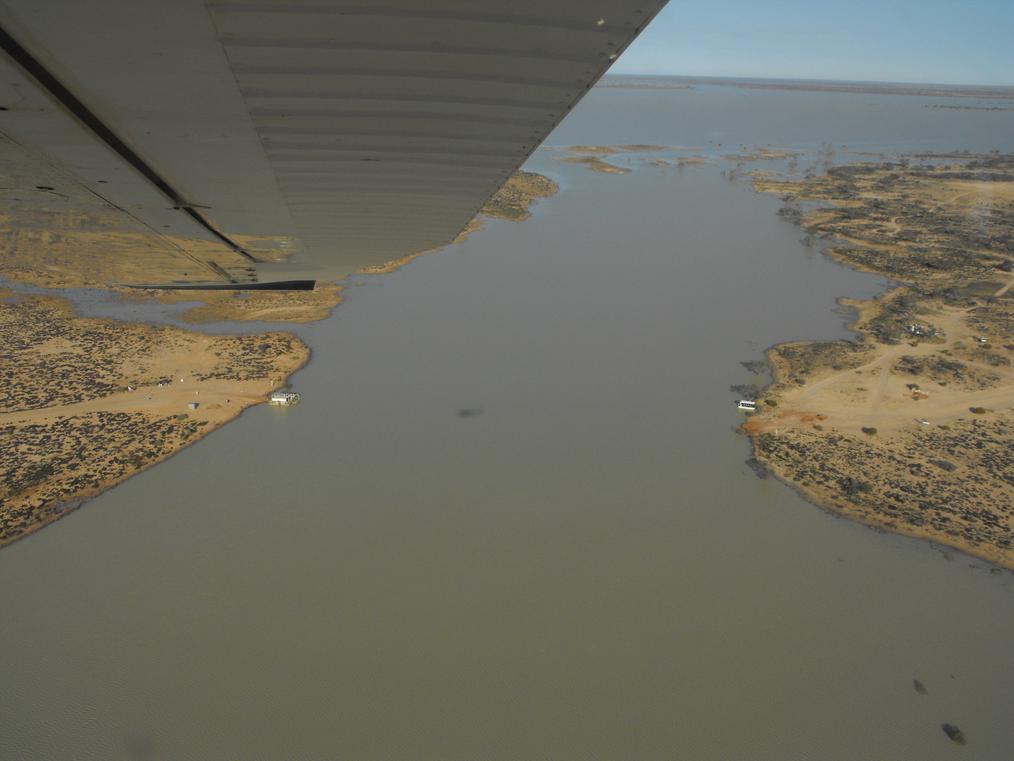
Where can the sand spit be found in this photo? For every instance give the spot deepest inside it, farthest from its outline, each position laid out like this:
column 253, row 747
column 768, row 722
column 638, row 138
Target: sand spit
column 679, row 163
column 513, row 202
column 609, row 150
column 595, row 163
column 761, row 154
column 910, row 427
column 88, row 402
column 264, row 306
column 593, row 156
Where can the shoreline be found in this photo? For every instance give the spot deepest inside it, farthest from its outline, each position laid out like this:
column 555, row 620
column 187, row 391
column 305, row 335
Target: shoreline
column 62, row 509
column 92, row 401
column 73, row 423
column 817, row 500
column 512, row 202
column 930, row 540
column 890, row 472
column 837, row 424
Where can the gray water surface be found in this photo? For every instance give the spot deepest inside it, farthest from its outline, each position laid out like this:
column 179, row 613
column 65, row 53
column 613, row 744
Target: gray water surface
column 581, row 568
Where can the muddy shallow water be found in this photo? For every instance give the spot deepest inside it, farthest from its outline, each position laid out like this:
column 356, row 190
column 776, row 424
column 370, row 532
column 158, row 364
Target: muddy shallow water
column 581, row 566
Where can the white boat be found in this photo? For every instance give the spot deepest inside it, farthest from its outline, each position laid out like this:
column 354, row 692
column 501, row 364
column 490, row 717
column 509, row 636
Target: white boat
column 283, row 398
column 746, row 405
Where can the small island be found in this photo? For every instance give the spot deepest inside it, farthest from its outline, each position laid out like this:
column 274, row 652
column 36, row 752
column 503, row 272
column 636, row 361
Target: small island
column 595, row 156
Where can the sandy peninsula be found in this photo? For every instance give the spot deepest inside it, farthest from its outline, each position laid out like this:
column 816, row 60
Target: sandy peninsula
column 88, row 402
column 512, row 202
column 909, row 427
column 85, row 403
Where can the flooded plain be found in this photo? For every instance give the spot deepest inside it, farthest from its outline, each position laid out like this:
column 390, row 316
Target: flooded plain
column 511, row 518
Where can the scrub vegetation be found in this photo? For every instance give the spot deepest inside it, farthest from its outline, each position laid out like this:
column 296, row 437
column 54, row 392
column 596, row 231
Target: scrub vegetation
column 910, row 426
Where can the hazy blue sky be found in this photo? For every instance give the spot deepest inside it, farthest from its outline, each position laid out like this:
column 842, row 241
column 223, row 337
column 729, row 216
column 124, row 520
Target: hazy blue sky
column 943, row 41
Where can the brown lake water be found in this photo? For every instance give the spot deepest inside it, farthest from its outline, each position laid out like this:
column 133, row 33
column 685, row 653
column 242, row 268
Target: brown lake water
column 583, row 569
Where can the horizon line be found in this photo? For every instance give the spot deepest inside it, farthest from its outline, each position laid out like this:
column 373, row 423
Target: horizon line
column 737, row 77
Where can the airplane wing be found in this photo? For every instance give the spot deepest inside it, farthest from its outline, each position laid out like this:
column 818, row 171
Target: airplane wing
column 333, row 135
